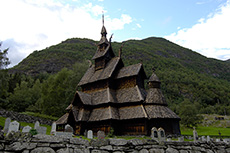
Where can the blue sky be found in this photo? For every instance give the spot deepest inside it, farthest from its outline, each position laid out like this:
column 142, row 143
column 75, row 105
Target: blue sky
column 200, row 25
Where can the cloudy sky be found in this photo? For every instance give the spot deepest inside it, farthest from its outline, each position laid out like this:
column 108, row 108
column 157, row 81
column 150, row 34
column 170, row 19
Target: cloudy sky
column 201, row 25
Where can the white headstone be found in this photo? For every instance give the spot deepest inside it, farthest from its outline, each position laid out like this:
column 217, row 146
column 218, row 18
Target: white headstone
column 53, row 129
column 208, row 138
column 90, row 134
column 14, row 126
column 100, row 134
column 169, row 139
column 195, row 135
column 41, row 130
column 36, row 125
column 217, row 140
column 26, row 129
column 161, row 134
column 68, row 128
column 226, row 141
column 203, row 138
column 7, row 124
column 154, row 133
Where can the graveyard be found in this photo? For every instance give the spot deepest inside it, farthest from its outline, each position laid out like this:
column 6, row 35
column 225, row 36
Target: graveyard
column 15, row 138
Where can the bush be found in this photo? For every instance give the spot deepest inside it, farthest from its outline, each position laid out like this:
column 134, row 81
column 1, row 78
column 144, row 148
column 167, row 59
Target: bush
column 33, row 131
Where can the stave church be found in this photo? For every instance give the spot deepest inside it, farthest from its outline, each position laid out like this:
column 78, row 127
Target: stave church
column 113, row 96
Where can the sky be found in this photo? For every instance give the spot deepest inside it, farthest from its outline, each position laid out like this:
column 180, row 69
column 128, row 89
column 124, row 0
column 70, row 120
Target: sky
column 200, row 25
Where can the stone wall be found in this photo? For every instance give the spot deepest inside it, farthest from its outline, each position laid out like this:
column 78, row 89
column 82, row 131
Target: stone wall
column 25, row 143
column 23, row 118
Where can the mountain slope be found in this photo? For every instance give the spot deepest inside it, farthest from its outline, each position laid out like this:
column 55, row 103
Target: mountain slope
column 157, row 52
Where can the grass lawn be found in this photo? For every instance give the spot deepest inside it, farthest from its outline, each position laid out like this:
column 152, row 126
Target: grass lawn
column 206, row 131
column 2, row 123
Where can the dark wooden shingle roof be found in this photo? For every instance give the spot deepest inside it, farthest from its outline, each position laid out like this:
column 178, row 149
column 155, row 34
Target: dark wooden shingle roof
column 103, row 96
column 91, row 75
column 104, row 113
column 131, row 70
column 155, row 96
column 134, row 94
column 154, row 78
column 132, row 112
column 158, row 111
column 63, row 119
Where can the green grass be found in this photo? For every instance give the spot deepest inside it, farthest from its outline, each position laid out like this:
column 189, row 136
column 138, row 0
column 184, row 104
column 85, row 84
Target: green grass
column 207, row 131
column 2, row 123
column 40, row 116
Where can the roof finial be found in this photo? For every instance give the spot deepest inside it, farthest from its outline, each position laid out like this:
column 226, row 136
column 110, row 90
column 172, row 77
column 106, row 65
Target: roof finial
column 103, row 18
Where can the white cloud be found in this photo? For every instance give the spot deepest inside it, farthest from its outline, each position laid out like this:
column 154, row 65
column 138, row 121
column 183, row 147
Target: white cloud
column 29, row 25
column 138, row 25
column 209, row 36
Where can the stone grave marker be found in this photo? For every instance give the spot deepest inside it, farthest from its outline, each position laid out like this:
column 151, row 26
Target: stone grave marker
column 226, row 140
column 53, row 129
column 85, row 133
column 68, row 128
column 154, row 133
column 100, row 134
column 36, row 125
column 161, row 134
column 217, row 140
column 41, row 129
column 90, row 134
column 208, row 138
column 195, row 135
column 181, row 139
column 14, row 126
column 7, row 124
column 26, row 129
column 203, row 138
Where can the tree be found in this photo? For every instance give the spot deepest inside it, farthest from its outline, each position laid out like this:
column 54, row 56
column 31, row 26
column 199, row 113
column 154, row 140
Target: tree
column 4, row 77
column 189, row 114
column 4, row 60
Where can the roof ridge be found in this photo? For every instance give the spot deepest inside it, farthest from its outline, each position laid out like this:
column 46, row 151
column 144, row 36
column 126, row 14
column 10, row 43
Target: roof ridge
column 139, row 93
column 146, row 115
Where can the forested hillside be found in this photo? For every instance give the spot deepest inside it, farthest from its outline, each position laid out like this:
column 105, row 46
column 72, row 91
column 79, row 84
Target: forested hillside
column 188, row 78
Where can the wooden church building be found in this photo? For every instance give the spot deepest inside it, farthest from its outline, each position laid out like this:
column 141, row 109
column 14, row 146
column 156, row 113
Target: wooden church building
column 113, row 96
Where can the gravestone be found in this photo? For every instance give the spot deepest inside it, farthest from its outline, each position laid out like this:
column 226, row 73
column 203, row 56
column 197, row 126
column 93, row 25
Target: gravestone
column 195, row 135
column 217, row 140
column 208, row 138
column 36, row 125
column 203, row 138
column 154, row 133
column 169, row 139
column 161, row 134
column 100, row 134
column 85, row 133
column 41, row 129
column 68, row 128
column 181, row 139
column 14, row 126
column 7, row 124
column 26, row 129
column 53, row 129
column 90, row 134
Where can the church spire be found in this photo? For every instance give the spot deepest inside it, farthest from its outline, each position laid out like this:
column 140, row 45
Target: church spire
column 103, row 30
column 103, row 33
